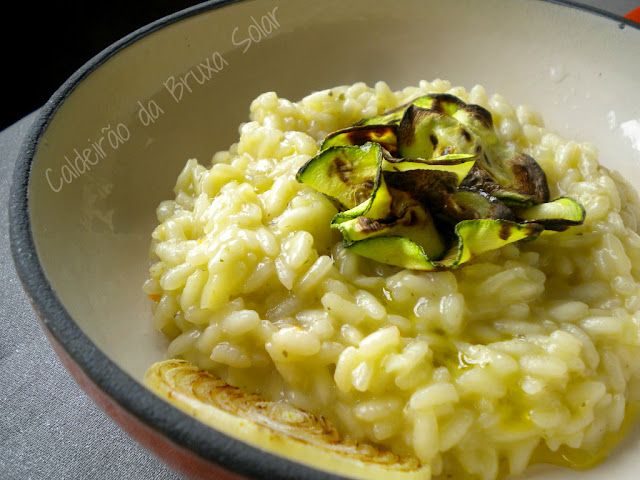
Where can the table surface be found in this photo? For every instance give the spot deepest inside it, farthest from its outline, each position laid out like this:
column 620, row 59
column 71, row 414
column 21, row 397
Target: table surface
column 50, row 428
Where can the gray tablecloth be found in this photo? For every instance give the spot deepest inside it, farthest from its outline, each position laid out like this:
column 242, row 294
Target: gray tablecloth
column 49, row 429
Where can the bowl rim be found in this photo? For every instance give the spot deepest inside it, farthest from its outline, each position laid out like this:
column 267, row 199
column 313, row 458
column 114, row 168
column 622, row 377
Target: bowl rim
column 149, row 409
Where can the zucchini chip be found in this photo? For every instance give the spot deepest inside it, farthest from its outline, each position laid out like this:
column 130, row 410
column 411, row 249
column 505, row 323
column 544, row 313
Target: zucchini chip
column 385, row 135
column 347, row 174
column 277, row 427
column 557, row 215
column 473, row 238
column 439, row 102
column 429, row 186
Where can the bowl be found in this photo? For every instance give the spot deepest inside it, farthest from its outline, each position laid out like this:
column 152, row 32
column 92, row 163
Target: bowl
column 108, row 146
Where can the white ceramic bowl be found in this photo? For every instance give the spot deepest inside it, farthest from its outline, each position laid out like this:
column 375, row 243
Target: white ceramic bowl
column 108, row 146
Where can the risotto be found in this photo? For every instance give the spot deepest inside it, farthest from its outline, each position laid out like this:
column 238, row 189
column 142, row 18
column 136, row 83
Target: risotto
column 526, row 353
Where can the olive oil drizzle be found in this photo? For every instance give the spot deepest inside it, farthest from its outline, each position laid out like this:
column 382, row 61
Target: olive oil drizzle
column 581, row 459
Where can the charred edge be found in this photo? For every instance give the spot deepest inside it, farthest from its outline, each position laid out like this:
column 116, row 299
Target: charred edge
column 386, row 137
column 406, row 132
column 361, row 134
column 440, row 180
column 505, row 231
column 302, row 170
column 441, row 99
column 413, row 114
column 253, row 407
column 426, row 185
column 496, row 209
column 500, row 210
column 368, row 226
column 363, row 191
column 556, row 224
column 533, row 229
column 368, row 184
column 479, row 178
column 479, row 113
column 529, row 177
column 342, row 169
column 404, row 106
column 386, row 155
column 448, row 161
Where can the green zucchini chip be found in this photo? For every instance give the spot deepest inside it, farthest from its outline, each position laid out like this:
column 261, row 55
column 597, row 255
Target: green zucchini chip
column 473, row 238
column 384, row 135
column 557, row 215
column 515, row 178
column 427, row 181
column 471, row 204
column 347, row 174
column 429, row 186
column 439, row 102
column 377, row 206
column 425, row 133
column 458, row 165
column 406, row 218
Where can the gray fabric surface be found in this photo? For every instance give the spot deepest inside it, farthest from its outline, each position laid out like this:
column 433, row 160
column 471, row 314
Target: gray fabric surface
column 49, row 428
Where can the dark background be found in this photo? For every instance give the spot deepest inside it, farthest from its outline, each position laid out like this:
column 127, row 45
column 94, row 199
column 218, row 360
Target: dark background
column 44, row 43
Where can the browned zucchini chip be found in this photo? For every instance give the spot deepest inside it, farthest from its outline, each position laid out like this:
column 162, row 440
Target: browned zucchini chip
column 275, row 426
column 429, row 185
column 385, row 135
column 474, row 237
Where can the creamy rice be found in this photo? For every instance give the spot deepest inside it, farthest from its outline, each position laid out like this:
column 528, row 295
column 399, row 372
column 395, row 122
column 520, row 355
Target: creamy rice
column 522, row 352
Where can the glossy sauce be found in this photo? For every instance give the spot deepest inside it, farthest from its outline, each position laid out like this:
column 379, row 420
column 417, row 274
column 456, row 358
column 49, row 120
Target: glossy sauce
column 583, row 459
